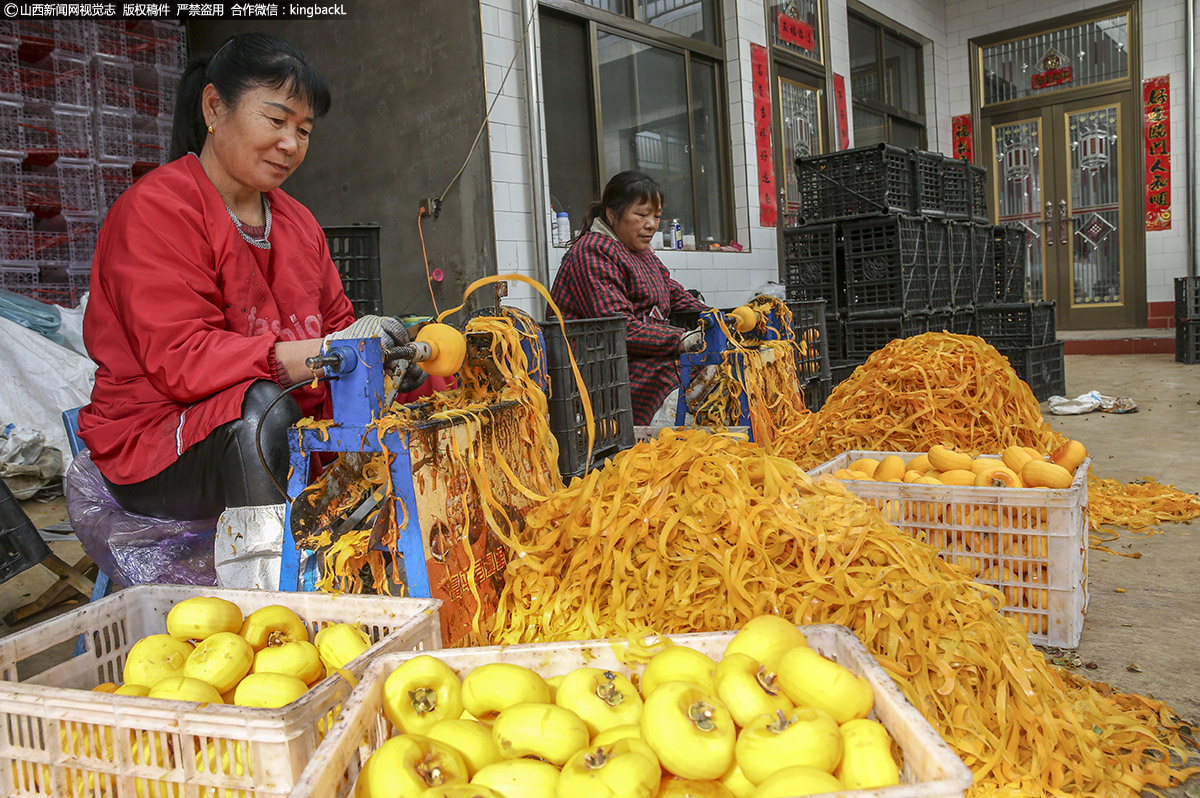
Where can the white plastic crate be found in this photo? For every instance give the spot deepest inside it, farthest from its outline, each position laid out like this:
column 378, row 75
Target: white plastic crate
column 1031, row 543
column 77, row 179
column 12, row 198
column 9, row 86
column 12, row 134
column 930, row 768
column 73, row 129
column 16, row 238
column 17, row 277
column 114, row 135
column 112, row 83
column 112, row 178
column 52, row 724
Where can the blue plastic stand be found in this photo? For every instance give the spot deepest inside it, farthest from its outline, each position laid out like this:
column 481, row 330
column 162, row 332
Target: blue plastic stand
column 716, row 347
column 357, row 394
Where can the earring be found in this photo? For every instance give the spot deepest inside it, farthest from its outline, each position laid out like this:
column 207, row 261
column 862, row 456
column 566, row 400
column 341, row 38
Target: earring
column 210, row 130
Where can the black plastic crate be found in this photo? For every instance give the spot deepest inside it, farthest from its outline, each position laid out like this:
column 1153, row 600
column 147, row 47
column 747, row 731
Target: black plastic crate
column 939, row 321
column 1187, row 341
column 1011, row 250
column 812, row 339
column 1015, row 325
column 835, row 337
column 864, row 181
column 810, row 263
column 977, row 176
column 867, row 334
column 983, row 258
column 962, row 265
column 21, row 547
column 1041, row 367
column 886, row 265
column 1187, row 298
column 938, row 260
column 599, row 349
column 839, row 372
column 355, row 252
column 956, row 189
column 927, row 183
column 963, row 322
column 816, row 391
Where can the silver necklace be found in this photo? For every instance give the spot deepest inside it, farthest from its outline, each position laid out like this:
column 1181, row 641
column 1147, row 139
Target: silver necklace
column 262, row 243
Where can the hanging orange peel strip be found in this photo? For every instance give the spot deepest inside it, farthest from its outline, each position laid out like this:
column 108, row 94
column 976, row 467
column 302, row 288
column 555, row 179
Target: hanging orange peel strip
column 698, row 531
column 471, row 404
column 770, row 384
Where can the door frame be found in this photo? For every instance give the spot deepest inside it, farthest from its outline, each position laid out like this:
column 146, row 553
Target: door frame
column 812, row 82
column 1134, row 234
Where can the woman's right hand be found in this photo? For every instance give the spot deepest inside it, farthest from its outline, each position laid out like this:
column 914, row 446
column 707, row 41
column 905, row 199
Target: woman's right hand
column 691, row 341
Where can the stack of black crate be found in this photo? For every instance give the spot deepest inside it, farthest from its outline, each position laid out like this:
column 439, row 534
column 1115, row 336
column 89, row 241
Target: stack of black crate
column 1022, row 331
column 1187, row 320
column 897, row 243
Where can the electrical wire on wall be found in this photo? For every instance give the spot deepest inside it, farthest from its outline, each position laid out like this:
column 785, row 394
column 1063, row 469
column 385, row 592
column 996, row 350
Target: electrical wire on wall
column 437, row 203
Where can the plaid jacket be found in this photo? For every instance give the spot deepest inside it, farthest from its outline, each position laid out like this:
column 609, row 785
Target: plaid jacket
column 601, row 277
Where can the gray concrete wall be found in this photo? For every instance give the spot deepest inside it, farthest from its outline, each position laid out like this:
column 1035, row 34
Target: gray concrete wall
column 408, row 98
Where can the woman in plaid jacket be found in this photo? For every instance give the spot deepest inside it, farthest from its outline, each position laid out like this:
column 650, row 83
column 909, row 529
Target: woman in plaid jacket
column 611, row 270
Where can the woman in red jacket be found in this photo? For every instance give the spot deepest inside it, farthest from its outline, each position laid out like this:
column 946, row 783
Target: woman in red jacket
column 210, row 288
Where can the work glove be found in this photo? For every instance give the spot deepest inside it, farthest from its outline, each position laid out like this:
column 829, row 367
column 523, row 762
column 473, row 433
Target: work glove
column 388, row 329
column 391, row 332
column 691, row 341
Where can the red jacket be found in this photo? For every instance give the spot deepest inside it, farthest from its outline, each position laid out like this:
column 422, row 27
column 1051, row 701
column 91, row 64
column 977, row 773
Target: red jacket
column 184, row 314
column 601, row 277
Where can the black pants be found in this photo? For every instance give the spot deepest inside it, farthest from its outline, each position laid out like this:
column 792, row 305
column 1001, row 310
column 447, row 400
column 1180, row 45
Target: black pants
column 224, row 469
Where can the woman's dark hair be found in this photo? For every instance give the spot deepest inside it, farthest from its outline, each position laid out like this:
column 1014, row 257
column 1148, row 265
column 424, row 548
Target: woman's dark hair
column 243, row 62
column 623, row 190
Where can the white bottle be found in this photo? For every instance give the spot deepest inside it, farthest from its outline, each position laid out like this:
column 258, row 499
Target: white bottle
column 564, row 228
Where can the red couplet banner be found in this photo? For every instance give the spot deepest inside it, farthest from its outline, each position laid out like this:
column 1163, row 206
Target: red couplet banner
column 960, row 129
column 768, row 209
column 843, row 124
column 1157, row 95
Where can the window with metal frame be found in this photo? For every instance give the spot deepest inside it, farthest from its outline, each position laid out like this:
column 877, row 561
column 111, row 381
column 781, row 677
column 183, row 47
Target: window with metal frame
column 887, row 84
column 622, row 95
column 796, row 27
column 1078, row 55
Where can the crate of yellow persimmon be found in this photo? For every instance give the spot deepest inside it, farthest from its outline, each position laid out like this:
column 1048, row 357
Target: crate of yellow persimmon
column 178, row 691
column 773, row 710
column 1016, row 520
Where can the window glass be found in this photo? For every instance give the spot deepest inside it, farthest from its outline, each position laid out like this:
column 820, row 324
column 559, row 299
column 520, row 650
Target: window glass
column 864, row 71
column 1063, row 59
column 710, row 221
column 870, row 127
column 696, row 19
column 644, row 107
column 796, row 26
column 905, row 134
column 613, row 6
column 570, row 124
column 901, row 87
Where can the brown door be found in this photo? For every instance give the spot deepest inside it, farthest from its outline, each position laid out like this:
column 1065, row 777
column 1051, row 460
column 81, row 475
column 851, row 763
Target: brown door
column 1065, row 172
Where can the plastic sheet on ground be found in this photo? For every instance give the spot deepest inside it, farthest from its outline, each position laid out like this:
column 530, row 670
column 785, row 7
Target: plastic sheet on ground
column 27, row 464
column 136, row 549
column 42, row 380
column 1089, row 402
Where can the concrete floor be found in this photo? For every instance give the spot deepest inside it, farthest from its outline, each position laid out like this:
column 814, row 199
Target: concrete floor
column 1153, row 624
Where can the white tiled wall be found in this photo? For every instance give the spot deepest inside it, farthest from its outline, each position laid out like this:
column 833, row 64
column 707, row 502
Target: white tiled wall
column 948, row 25
column 725, row 278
